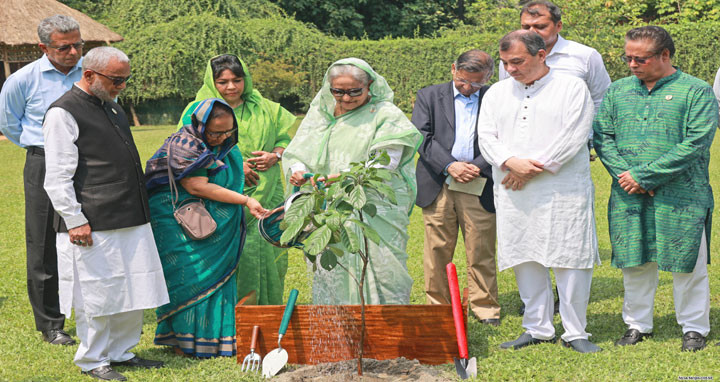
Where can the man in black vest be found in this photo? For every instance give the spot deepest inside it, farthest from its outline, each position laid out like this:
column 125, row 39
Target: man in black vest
column 455, row 185
column 108, row 266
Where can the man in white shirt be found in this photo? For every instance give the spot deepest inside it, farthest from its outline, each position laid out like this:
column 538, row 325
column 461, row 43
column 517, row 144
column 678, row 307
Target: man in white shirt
column 565, row 56
column 533, row 129
column 108, row 265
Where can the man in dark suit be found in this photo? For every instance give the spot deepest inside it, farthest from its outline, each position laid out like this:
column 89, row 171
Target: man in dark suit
column 455, row 185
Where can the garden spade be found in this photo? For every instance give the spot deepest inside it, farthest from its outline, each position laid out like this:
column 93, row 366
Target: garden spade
column 465, row 367
column 276, row 359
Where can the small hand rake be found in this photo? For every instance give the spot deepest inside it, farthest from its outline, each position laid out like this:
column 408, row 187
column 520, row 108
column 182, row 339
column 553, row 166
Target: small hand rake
column 252, row 360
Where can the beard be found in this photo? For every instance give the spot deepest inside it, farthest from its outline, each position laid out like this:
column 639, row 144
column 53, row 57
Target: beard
column 99, row 91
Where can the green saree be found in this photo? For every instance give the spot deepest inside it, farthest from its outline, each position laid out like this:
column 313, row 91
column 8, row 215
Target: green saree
column 262, row 126
column 326, row 144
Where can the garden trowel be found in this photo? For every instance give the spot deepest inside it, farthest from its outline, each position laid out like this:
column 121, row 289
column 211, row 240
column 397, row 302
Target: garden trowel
column 277, row 358
column 465, row 367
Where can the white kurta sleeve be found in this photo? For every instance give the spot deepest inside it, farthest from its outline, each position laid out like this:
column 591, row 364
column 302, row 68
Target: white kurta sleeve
column 299, row 166
column 60, row 131
column 576, row 124
column 598, row 79
column 488, row 131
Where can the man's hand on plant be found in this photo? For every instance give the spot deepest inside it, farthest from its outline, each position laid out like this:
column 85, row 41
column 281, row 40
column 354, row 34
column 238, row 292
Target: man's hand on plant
column 328, row 181
column 463, row 172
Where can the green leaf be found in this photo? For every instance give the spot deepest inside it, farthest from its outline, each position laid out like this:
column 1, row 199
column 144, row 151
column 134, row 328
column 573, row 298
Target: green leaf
column 383, row 158
column 333, row 221
column 349, row 238
column 370, row 209
column 292, row 230
column 318, row 240
column 328, row 260
column 310, row 257
column 357, row 197
column 383, row 174
column 337, row 251
column 300, row 208
column 369, row 232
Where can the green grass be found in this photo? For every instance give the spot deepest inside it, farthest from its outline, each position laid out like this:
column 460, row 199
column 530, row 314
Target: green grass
column 24, row 357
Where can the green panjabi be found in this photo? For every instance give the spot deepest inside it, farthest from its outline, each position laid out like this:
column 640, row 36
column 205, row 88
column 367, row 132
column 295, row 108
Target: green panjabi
column 262, row 126
column 663, row 137
column 326, row 144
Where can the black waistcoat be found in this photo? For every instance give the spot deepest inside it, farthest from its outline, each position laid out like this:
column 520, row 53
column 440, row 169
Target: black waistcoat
column 109, row 182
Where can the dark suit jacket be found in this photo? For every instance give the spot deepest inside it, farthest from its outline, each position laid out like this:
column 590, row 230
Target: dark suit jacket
column 434, row 116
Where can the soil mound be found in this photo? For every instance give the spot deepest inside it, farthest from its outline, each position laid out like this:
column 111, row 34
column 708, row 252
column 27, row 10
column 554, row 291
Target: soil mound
column 398, row 369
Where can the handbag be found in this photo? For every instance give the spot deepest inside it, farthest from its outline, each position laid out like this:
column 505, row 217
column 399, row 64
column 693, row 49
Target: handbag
column 191, row 213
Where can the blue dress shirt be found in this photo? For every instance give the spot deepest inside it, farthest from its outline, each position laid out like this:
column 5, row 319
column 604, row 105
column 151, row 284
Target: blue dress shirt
column 26, row 96
column 466, row 110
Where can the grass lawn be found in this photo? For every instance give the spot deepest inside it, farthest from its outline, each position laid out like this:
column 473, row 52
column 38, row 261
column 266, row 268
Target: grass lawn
column 24, row 357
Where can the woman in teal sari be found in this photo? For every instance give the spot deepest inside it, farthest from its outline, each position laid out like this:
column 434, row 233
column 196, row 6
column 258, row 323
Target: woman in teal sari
column 200, row 274
column 350, row 118
column 263, row 127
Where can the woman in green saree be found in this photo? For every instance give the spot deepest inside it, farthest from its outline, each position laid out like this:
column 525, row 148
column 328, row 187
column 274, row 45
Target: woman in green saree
column 350, row 118
column 200, row 274
column 263, row 127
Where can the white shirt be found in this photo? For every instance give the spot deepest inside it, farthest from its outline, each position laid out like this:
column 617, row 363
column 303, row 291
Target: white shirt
column 577, row 60
column 550, row 220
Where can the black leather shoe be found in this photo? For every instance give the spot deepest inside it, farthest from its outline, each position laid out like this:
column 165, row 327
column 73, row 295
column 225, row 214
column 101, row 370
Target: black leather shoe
column 106, row 373
column 581, row 345
column 525, row 339
column 521, row 311
column 490, row 321
column 57, row 337
column 693, row 341
column 631, row 337
column 140, row 362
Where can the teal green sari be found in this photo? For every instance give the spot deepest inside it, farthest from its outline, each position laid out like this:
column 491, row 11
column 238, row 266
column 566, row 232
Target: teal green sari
column 200, row 274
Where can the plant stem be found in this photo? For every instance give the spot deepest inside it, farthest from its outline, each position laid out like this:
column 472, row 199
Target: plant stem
column 365, row 258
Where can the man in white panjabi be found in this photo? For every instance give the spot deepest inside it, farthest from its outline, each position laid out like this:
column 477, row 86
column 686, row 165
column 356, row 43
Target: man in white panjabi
column 533, row 129
column 108, row 265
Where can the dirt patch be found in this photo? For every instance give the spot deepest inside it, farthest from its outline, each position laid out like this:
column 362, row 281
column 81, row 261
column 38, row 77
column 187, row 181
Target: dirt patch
column 398, row 369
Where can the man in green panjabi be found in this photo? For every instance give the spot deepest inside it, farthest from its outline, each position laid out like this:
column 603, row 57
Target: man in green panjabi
column 263, row 127
column 653, row 134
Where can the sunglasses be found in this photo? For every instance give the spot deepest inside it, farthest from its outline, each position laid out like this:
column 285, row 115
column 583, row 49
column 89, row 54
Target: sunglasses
column 218, row 134
column 64, row 48
column 638, row 60
column 117, row 81
column 351, row 92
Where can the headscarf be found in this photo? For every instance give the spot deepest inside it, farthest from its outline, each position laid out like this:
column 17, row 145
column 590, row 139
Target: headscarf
column 310, row 144
column 190, row 149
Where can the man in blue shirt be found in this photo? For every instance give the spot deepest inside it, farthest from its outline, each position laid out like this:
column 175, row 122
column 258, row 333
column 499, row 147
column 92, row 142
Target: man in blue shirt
column 455, row 188
column 24, row 99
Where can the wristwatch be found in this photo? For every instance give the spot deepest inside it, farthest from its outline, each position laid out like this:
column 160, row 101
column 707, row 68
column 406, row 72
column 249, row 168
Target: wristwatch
column 278, row 155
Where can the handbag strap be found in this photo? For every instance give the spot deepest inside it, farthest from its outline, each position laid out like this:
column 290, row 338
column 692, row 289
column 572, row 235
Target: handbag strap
column 174, row 196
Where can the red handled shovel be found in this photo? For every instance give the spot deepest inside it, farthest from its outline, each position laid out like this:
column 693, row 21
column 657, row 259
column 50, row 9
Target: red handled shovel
column 465, row 367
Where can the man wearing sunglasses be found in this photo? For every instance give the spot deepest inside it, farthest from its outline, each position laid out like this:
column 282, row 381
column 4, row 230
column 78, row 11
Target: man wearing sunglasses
column 653, row 134
column 24, row 98
column 108, row 264
column 454, row 185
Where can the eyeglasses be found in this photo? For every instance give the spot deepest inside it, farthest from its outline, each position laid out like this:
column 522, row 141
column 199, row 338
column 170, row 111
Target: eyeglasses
column 117, row 81
column 64, row 48
column 351, row 92
column 218, row 134
column 476, row 85
column 638, row 60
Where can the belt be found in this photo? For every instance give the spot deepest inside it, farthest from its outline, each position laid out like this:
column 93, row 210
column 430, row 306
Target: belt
column 34, row 150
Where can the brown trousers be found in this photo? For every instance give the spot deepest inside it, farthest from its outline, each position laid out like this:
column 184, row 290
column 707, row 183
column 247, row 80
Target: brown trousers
column 442, row 218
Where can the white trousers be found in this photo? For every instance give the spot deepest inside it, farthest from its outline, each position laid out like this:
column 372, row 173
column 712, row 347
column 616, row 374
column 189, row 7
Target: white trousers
column 105, row 339
column 536, row 292
column 691, row 292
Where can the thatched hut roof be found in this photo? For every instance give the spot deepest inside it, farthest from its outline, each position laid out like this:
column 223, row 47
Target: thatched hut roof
column 20, row 19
